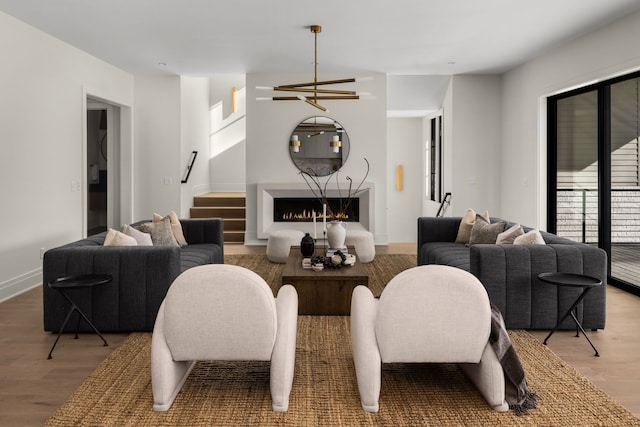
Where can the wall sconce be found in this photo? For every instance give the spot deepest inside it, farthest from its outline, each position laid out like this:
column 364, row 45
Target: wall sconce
column 335, row 144
column 234, row 99
column 399, row 178
column 295, row 143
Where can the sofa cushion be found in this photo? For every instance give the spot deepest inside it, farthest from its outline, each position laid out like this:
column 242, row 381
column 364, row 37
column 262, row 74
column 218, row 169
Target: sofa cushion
column 466, row 224
column 199, row 254
column 446, row 253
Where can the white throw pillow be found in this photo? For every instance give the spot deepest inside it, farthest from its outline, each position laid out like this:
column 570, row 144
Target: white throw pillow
column 532, row 237
column 116, row 238
column 509, row 235
column 143, row 239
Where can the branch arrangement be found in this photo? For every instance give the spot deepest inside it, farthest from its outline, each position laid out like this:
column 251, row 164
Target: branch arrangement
column 319, row 190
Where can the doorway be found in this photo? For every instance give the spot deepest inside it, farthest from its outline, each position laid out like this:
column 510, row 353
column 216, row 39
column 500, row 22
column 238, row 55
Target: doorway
column 102, row 194
column 97, row 170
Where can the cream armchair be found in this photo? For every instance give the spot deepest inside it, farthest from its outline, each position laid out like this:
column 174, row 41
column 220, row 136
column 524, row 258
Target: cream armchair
column 223, row 312
column 431, row 313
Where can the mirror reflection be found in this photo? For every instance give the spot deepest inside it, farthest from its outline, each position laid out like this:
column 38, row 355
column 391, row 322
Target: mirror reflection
column 319, row 145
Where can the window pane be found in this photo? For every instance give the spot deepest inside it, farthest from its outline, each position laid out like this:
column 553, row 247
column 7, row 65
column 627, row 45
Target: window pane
column 577, row 176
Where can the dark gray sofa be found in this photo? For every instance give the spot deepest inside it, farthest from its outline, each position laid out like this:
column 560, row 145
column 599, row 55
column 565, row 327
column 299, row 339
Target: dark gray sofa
column 510, row 273
column 141, row 276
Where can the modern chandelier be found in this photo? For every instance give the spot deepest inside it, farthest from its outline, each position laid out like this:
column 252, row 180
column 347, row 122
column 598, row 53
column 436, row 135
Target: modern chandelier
column 309, row 92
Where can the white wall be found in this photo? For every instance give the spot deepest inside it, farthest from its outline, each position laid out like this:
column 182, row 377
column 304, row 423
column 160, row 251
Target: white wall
column 415, row 95
column 472, row 149
column 405, row 141
column 227, row 138
column 194, row 130
column 157, row 154
column 43, row 87
column 269, row 127
column 613, row 50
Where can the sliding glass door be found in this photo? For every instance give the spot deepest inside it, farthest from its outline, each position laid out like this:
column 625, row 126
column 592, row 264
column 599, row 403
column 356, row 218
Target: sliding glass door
column 625, row 184
column 594, row 172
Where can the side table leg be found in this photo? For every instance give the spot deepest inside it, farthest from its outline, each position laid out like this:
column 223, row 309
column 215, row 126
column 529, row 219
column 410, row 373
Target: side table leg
column 578, row 325
column 93, row 327
column 61, row 330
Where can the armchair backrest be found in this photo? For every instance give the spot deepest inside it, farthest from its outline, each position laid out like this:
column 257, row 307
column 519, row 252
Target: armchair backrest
column 433, row 313
column 220, row 312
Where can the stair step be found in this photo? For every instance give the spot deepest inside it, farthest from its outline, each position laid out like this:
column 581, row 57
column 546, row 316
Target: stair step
column 220, row 200
column 233, row 236
column 230, row 206
column 218, row 212
column 235, row 224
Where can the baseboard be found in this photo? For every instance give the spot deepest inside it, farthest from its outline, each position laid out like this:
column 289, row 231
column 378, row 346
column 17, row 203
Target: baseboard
column 20, row 284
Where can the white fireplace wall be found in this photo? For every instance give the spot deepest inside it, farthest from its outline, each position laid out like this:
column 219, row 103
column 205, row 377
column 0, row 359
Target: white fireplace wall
column 269, row 126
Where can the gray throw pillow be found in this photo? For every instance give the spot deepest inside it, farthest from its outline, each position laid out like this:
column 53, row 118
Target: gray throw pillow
column 483, row 232
column 161, row 233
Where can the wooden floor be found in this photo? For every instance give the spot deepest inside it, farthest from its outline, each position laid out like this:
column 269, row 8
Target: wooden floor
column 32, row 387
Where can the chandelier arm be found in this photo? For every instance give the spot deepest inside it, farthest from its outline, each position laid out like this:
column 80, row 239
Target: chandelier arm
column 321, row 83
column 337, row 97
column 320, row 97
column 285, row 98
column 315, row 104
column 331, row 91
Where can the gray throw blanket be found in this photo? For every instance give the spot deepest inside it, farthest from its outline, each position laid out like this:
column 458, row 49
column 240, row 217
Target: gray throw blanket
column 517, row 393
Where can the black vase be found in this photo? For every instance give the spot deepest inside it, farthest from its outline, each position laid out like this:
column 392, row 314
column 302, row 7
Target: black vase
column 307, row 246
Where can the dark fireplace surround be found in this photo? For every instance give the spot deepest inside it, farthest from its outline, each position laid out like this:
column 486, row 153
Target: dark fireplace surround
column 301, row 209
column 363, row 218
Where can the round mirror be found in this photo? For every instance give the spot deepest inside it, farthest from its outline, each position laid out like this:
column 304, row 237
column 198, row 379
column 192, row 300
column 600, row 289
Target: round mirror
column 319, row 146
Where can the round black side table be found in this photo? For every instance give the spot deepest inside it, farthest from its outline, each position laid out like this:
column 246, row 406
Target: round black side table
column 575, row 281
column 64, row 284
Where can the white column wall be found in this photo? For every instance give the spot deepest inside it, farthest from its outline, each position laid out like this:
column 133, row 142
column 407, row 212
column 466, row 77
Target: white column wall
column 405, row 140
column 269, row 127
column 472, row 150
column 157, row 154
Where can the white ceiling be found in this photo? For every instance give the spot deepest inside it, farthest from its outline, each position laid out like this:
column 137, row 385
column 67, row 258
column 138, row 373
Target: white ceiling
column 204, row 37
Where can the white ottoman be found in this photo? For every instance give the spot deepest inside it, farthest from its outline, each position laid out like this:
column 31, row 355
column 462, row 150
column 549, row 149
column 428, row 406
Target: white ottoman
column 280, row 242
column 362, row 240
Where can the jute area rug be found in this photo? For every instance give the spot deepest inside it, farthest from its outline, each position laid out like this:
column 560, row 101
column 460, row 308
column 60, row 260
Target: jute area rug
column 325, row 391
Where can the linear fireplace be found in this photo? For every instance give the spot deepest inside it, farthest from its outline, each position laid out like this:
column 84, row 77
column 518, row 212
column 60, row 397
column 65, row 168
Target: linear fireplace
column 301, row 209
column 361, row 218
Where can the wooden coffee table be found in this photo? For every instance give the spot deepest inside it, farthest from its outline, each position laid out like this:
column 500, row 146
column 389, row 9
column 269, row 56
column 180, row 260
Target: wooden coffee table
column 326, row 292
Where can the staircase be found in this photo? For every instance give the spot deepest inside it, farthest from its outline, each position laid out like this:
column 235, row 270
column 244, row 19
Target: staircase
column 231, row 207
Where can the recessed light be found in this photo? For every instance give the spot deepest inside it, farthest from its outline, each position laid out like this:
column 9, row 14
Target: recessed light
column 451, row 63
column 162, row 64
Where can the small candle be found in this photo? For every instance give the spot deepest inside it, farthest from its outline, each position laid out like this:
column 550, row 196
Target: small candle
column 315, row 236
